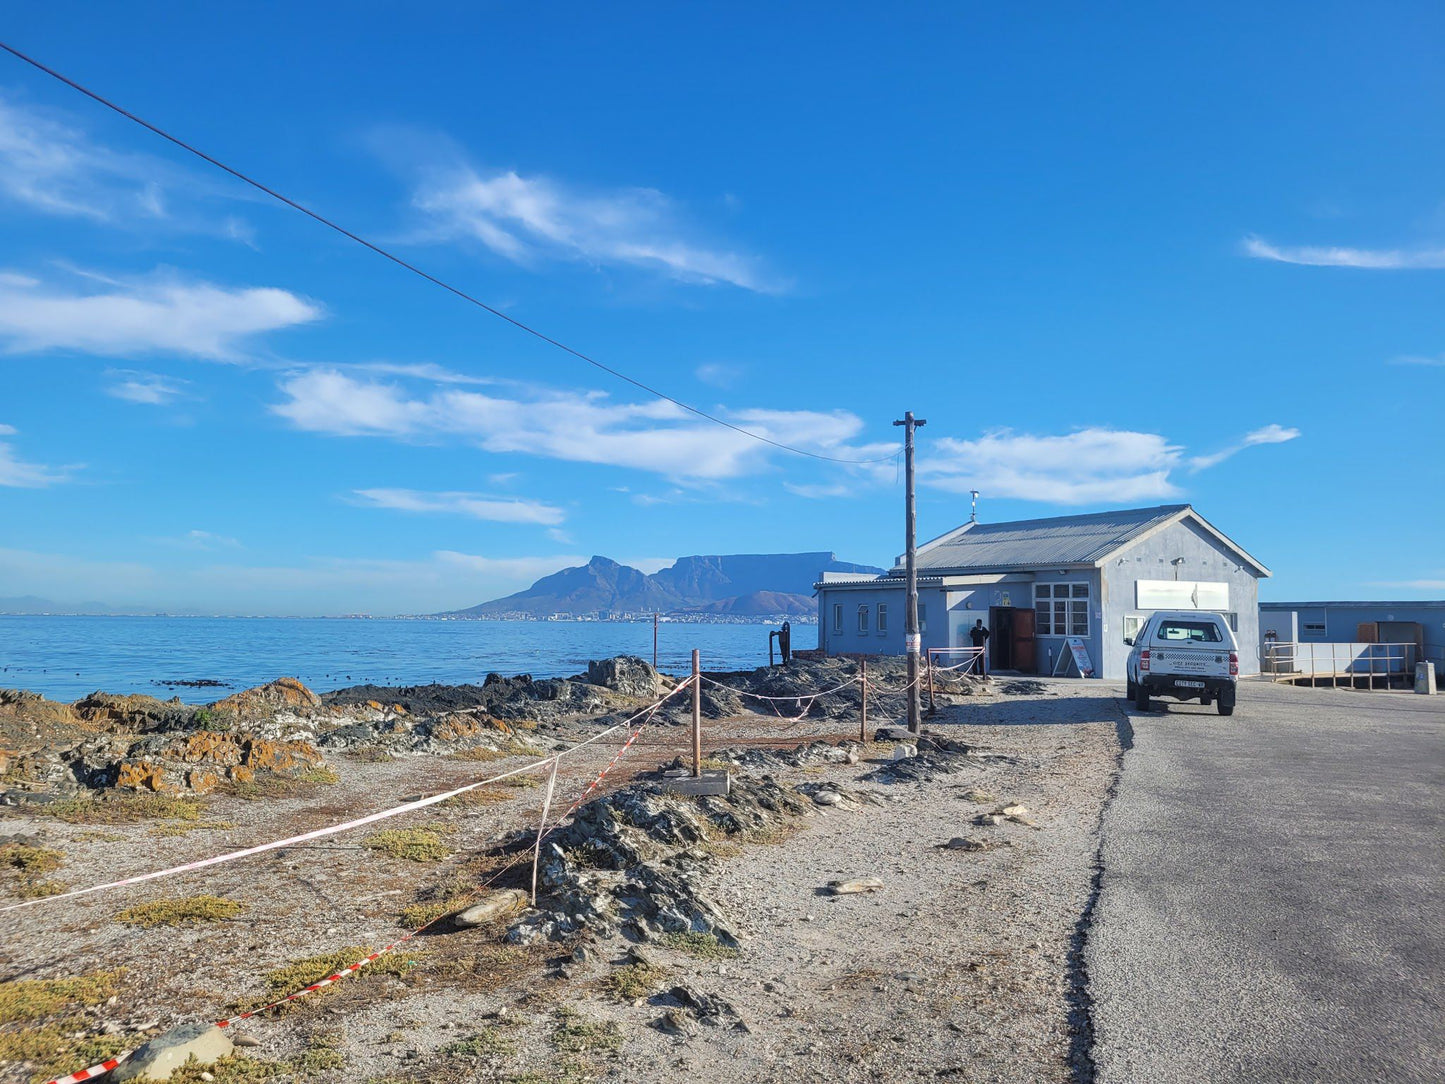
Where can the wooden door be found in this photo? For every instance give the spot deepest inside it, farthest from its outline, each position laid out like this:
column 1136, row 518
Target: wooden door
column 1367, row 632
column 1024, row 656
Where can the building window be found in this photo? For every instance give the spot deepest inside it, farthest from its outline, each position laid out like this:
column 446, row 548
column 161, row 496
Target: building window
column 922, row 618
column 863, row 618
column 1061, row 609
column 837, row 617
column 1313, row 628
column 883, row 617
column 1131, row 627
column 1233, row 620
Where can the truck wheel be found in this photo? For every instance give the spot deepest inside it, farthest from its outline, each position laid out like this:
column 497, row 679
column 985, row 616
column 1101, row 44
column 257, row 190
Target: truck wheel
column 1141, row 698
column 1130, row 689
column 1225, row 709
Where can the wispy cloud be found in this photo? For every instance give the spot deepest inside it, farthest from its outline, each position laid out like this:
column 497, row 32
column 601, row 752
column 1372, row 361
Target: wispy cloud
column 204, row 541
column 162, row 315
column 1269, row 434
column 1083, row 467
column 51, row 166
column 718, row 374
column 150, row 389
column 1420, row 360
column 530, row 220
column 584, row 427
column 17, row 473
column 472, row 505
column 1413, row 585
column 1371, row 259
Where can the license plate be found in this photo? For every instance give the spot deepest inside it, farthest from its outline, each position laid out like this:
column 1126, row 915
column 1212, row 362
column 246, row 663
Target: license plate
column 1189, row 684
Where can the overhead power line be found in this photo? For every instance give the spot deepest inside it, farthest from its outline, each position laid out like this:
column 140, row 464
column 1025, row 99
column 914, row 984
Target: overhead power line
column 415, row 270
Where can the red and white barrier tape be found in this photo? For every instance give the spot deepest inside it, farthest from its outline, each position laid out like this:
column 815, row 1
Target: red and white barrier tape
column 110, row 1063
column 331, row 830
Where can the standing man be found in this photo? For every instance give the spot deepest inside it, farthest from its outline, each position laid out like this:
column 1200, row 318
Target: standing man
column 979, row 635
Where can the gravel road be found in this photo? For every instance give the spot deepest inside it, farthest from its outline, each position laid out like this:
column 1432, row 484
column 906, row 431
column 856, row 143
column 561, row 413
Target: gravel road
column 1271, row 905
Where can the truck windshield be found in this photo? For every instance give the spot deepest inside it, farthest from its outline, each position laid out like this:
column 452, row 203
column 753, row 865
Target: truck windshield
column 1196, row 632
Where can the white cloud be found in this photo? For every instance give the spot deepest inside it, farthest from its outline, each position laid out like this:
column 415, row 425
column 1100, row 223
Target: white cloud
column 202, row 540
column 817, row 492
column 473, row 505
column 585, row 427
column 718, row 374
column 18, row 474
column 150, row 389
column 51, row 166
column 1427, row 259
column 194, row 319
column 1437, row 362
column 1269, row 434
column 1414, row 585
column 530, row 219
column 1083, row 467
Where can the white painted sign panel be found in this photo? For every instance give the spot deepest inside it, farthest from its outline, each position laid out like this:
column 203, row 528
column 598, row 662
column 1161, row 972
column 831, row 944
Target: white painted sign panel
column 1181, row 595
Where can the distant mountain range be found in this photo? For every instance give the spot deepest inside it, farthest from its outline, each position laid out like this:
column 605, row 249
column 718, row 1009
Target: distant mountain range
column 740, row 585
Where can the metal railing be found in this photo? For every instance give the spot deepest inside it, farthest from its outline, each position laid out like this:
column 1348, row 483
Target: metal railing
column 1334, row 662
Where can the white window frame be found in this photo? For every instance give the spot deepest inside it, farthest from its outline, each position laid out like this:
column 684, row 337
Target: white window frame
column 882, row 618
column 1132, row 625
column 863, row 619
column 1076, row 604
column 1312, row 628
column 837, row 617
column 922, row 617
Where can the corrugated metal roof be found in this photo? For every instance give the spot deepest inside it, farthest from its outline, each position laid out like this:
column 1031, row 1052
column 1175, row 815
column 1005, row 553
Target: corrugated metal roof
column 1039, row 543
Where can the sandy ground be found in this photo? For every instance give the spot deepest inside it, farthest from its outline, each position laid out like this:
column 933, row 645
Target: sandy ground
column 963, row 965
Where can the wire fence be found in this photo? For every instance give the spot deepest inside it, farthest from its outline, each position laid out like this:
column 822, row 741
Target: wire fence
column 634, row 727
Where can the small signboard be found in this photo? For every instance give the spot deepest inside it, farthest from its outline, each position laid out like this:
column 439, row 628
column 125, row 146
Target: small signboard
column 1080, row 656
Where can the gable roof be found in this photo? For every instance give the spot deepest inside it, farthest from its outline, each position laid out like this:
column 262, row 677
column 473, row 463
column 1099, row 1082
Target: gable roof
column 1061, row 540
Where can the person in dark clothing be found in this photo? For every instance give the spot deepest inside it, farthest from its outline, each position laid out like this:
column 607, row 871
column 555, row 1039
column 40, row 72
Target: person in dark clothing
column 979, row 635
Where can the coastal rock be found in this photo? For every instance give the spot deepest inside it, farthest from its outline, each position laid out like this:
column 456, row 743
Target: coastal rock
column 163, row 1055
column 267, row 701
column 628, row 860
column 496, row 905
column 135, row 714
column 626, row 674
column 936, row 757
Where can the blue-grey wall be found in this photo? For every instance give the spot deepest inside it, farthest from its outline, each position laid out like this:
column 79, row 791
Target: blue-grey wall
column 1205, row 558
column 1341, row 620
column 849, row 641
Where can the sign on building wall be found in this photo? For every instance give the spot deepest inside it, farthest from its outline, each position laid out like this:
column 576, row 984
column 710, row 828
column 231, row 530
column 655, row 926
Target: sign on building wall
column 1181, row 595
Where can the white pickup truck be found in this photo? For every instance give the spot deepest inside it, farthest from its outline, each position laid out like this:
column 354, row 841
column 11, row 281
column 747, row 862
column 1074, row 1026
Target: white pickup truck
column 1186, row 655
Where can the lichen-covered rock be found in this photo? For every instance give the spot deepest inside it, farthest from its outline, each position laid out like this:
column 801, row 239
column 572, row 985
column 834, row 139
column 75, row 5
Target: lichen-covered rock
column 266, row 701
column 135, row 713
column 198, row 761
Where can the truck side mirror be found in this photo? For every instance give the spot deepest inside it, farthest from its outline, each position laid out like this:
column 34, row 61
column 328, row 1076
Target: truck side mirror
column 1129, row 640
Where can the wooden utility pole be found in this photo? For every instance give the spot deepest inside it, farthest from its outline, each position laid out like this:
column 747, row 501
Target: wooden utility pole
column 696, row 714
column 912, row 640
column 654, row 641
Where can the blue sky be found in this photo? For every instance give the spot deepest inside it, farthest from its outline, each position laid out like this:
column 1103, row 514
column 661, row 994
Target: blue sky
column 1115, row 258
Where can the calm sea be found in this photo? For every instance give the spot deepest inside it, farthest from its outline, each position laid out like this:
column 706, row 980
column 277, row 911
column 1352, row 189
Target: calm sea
column 66, row 657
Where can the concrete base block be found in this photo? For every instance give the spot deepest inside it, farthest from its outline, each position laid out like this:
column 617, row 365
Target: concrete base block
column 710, row 782
column 1425, row 678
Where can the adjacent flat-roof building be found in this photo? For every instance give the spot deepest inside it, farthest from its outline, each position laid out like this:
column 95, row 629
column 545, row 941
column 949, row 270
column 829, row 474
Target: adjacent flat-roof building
column 1418, row 623
column 1037, row 582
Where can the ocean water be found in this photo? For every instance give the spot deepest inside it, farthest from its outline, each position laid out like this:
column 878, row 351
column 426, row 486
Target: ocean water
column 66, row 657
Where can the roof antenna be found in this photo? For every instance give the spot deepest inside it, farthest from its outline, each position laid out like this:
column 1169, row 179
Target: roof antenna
column 973, row 516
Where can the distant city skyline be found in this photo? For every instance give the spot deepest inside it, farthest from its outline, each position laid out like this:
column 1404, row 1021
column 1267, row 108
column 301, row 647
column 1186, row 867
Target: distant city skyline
column 1114, row 262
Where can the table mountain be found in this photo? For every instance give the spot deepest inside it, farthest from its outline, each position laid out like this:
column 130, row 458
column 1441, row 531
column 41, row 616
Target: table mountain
column 741, row 584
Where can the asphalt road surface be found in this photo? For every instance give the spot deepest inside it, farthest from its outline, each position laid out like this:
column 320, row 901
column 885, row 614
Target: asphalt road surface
column 1271, row 904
